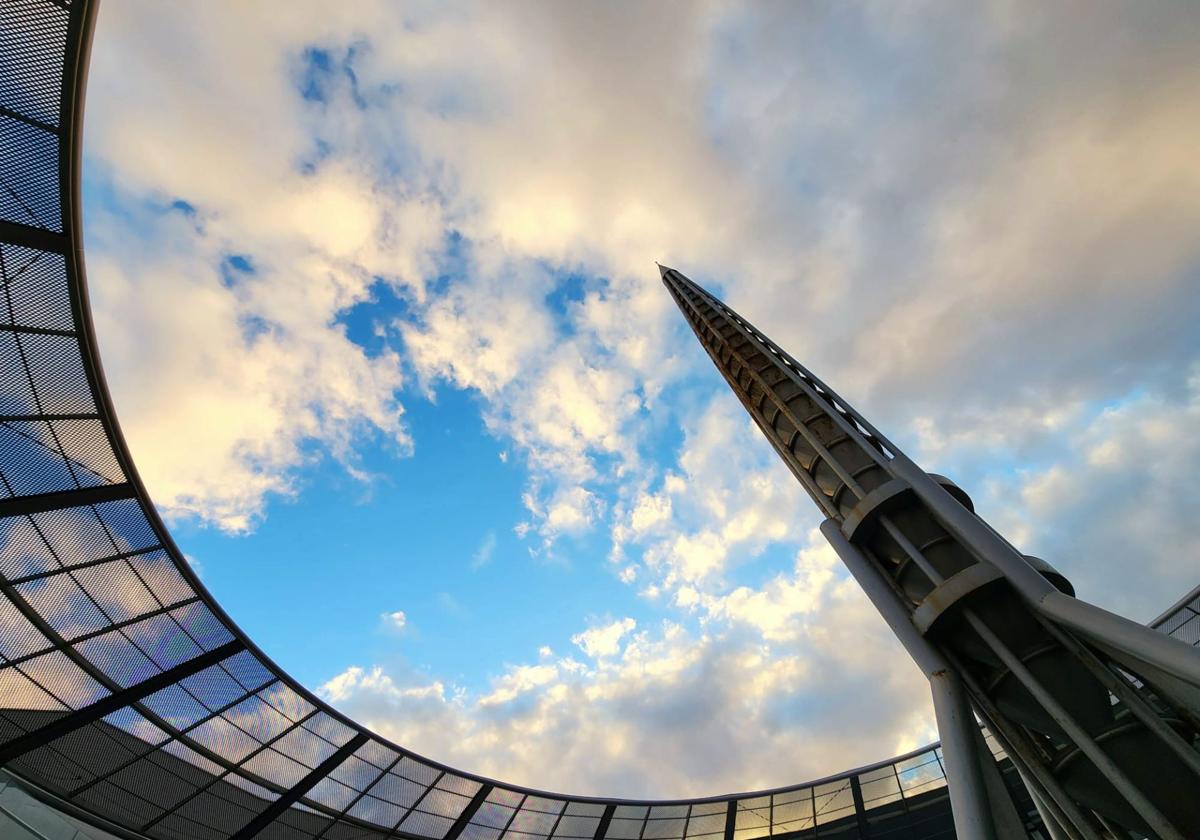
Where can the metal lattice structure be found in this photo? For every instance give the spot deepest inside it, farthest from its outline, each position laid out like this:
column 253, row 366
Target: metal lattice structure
column 1182, row 620
column 128, row 698
column 1099, row 714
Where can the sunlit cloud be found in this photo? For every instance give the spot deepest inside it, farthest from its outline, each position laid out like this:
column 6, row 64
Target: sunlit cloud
column 395, row 620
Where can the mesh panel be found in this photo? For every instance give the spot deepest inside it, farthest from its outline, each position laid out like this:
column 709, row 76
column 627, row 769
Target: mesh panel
column 31, row 461
column 248, row 671
column 579, row 827
column 378, row 811
column 35, row 288
column 258, row 719
column 276, row 768
column 397, row 790
column 426, row 825
column 84, row 445
column 160, row 576
column 118, row 658
column 33, row 36
column 75, row 534
column 63, row 679
column 22, row 549
column 63, row 604
column 18, row 638
column 29, row 175
column 116, row 590
column 56, row 368
column 213, row 687
column 16, row 391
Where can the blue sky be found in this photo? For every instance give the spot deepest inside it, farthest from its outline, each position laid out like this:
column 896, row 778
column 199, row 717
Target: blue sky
column 375, row 291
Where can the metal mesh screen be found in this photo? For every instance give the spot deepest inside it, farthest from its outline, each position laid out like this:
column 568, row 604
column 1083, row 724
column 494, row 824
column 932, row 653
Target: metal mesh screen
column 1182, row 620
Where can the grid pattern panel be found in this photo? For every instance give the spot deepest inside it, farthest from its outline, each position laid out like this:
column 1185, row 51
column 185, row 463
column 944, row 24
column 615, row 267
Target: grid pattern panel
column 1183, row 620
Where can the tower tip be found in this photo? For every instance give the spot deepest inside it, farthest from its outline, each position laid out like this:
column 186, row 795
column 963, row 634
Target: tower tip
column 663, row 269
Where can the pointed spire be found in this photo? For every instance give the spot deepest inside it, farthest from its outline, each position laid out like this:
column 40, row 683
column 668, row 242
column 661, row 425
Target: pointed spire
column 663, row 269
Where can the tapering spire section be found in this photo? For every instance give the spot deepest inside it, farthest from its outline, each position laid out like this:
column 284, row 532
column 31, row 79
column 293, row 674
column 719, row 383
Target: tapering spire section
column 1047, row 673
column 835, row 455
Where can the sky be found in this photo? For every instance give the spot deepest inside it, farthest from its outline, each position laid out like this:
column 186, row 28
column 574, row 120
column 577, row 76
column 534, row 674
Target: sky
column 375, row 291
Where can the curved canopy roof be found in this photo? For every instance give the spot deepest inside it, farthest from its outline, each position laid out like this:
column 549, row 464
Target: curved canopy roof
column 129, row 697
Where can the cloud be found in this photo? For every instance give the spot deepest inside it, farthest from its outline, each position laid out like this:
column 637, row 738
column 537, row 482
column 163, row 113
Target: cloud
column 248, row 384
column 220, row 265
column 716, row 509
column 638, row 718
column 483, row 554
column 394, row 620
column 902, row 269
column 451, row 605
column 605, row 640
column 1112, row 510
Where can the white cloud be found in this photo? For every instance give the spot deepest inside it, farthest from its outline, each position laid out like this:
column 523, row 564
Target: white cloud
column 396, row 620
column 642, row 718
column 777, row 609
column 483, row 554
column 720, row 507
column 648, row 511
column 249, row 368
column 244, row 384
column 1112, row 510
column 604, row 640
column 517, row 681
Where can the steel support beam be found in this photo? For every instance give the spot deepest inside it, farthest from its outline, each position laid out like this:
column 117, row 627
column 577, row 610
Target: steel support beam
column 1007, row 819
column 1121, row 636
column 43, row 502
column 606, row 819
column 28, row 236
column 341, row 816
column 465, row 817
column 860, row 808
column 293, row 794
column 117, row 700
column 973, row 819
column 1054, row 828
column 1113, row 631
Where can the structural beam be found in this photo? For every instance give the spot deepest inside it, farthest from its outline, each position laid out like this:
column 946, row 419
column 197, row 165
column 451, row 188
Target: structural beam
column 43, row 502
column 28, row 236
column 293, row 795
column 117, row 700
column 606, row 818
column 465, row 817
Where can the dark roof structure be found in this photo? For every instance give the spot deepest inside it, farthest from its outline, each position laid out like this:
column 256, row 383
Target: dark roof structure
column 129, row 699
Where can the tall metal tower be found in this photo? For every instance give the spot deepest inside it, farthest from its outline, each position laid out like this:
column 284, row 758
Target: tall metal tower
column 1100, row 715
